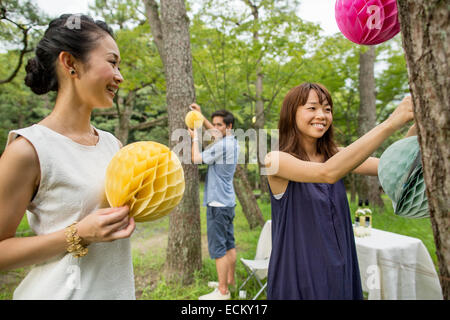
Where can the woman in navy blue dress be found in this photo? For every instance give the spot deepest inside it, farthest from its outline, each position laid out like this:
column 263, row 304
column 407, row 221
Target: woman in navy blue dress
column 313, row 247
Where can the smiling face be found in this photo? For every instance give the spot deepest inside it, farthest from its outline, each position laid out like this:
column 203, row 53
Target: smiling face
column 100, row 76
column 220, row 125
column 305, row 125
column 314, row 118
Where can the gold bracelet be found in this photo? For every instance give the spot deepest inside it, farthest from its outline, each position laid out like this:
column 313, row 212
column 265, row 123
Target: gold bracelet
column 74, row 242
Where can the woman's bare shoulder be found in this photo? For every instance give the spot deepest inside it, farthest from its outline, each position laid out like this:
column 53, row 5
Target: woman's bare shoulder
column 21, row 150
column 20, row 159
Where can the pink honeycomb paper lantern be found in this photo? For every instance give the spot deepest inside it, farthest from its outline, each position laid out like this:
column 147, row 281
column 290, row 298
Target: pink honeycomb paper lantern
column 367, row 22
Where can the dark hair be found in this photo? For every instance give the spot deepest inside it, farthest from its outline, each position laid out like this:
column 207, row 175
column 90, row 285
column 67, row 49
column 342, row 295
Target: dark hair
column 226, row 115
column 75, row 34
column 289, row 134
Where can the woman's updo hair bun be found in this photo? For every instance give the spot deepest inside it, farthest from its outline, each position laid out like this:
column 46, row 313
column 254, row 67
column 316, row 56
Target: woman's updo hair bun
column 76, row 34
column 38, row 79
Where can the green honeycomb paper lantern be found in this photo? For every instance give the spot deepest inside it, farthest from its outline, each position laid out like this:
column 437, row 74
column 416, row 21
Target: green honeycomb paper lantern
column 401, row 175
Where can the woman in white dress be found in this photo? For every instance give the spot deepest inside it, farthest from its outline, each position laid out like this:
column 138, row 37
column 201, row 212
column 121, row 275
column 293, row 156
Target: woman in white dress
column 55, row 171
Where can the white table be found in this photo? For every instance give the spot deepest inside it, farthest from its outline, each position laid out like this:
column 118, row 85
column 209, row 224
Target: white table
column 396, row 267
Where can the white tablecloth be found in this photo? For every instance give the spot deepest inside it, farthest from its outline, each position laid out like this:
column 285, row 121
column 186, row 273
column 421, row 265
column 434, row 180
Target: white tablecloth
column 396, row 267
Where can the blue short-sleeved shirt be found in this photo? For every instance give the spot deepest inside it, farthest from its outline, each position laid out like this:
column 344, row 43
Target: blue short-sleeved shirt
column 221, row 158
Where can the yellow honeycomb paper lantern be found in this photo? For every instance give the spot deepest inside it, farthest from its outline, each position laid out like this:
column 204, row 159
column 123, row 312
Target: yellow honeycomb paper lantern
column 194, row 119
column 147, row 177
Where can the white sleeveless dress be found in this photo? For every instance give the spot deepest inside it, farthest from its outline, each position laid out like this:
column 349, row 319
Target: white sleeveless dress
column 71, row 187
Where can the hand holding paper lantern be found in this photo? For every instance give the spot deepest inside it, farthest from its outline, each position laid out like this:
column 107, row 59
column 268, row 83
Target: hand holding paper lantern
column 147, row 177
column 194, row 119
column 367, row 22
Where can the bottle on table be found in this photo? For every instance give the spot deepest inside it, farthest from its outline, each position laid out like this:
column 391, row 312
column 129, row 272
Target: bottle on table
column 368, row 215
column 358, row 214
column 362, row 216
column 359, row 229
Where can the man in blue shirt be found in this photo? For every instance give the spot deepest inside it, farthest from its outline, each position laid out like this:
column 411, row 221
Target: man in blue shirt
column 219, row 197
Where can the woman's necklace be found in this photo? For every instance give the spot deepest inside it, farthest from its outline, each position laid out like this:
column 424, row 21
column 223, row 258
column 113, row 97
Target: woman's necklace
column 91, row 139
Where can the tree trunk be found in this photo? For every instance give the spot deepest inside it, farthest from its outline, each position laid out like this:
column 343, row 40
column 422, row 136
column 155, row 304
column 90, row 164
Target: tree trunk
column 368, row 186
column 184, row 241
column 259, row 102
column 348, row 141
column 259, row 124
column 122, row 130
column 247, row 199
column 352, row 187
column 425, row 26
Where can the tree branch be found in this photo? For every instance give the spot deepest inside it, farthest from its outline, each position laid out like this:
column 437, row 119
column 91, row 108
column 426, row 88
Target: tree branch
column 277, row 90
column 152, row 13
column 245, row 94
column 148, row 124
column 206, row 81
column 22, row 52
column 253, row 7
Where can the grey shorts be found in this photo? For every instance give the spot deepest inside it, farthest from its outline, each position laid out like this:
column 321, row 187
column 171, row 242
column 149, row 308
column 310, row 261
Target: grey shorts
column 220, row 230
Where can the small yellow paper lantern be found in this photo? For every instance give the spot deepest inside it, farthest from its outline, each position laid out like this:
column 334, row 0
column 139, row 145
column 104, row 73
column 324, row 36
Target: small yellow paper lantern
column 147, row 177
column 194, row 119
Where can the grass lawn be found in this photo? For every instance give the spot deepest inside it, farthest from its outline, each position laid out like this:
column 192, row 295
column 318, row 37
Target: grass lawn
column 150, row 283
column 150, row 240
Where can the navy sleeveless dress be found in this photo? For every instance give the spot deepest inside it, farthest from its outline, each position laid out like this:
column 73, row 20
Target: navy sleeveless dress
column 313, row 247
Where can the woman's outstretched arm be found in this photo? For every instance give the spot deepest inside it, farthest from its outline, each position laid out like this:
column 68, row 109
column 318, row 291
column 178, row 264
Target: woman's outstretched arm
column 286, row 166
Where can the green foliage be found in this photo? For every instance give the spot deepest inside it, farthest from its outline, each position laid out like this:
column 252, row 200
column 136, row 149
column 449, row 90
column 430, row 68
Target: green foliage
column 19, row 107
column 226, row 54
column 17, row 15
column 119, row 13
column 392, row 83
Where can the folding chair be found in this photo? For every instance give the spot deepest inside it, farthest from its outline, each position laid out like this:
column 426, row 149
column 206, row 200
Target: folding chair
column 258, row 267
